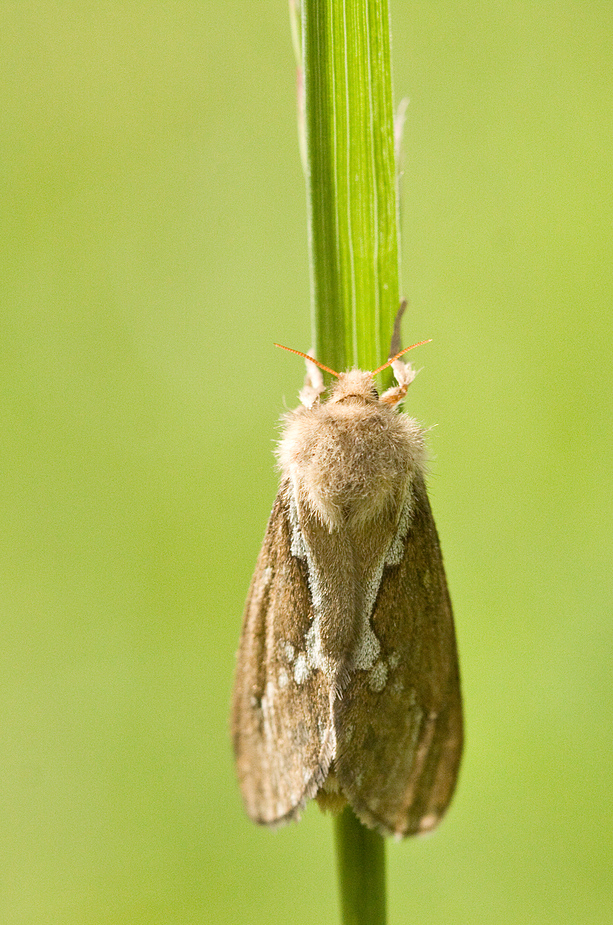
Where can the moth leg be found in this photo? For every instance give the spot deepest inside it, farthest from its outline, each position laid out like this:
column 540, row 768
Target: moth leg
column 396, row 345
column 313, row 385
column 403, row 372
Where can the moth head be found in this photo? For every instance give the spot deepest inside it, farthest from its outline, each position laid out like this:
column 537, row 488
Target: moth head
column 356, row 385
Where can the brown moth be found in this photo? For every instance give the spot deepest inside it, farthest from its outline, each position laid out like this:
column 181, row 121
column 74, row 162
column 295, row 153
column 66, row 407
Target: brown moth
column 347, row 686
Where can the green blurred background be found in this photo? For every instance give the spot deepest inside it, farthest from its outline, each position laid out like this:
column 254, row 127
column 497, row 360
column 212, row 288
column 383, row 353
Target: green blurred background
column 153, row 247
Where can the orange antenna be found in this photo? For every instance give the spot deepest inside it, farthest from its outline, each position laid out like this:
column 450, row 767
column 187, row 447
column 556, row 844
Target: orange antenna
column 393, row 359
column 317, row 363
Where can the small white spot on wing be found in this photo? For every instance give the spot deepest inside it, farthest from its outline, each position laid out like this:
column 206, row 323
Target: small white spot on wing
column 315, row 655
column 368, row 646
column 301, row 669
column 397, row 684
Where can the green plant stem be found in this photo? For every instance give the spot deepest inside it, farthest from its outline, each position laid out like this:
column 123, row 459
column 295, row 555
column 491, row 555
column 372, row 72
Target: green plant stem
column 344, row 72
column 361, row 869
column 351, row 179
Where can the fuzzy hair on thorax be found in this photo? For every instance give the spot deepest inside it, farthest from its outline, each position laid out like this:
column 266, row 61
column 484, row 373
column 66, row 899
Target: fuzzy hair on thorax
column 352, row 457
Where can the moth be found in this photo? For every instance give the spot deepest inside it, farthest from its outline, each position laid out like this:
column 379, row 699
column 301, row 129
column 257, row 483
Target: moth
column 347, row 684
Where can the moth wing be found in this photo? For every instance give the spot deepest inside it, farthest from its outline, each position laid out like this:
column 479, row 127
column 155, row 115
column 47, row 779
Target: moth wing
column 281, row 712
column 399, row 725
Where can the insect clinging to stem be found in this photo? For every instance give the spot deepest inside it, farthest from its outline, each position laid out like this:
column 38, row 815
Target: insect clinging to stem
column 347, row 683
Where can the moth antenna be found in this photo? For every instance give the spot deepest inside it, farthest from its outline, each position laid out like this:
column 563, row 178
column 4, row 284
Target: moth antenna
column 317, row 363
column 393, row 359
